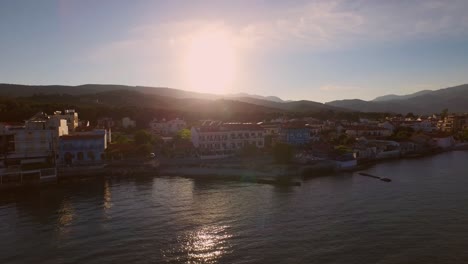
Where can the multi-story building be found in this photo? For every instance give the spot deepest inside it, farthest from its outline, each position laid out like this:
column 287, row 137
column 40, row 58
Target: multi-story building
column 70, row 116
column 367, row 131
column 453, row 123
column 294, row 133
column 83, row 148
column 217, row 139
column 167, row 128
column 37, row 141
column 315, row 130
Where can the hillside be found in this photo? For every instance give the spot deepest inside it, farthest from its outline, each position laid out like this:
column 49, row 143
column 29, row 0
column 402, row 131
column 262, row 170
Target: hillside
column 425, row 102
column 17, row 90
column 87, row 91
column 302, row 106
column 390, row 97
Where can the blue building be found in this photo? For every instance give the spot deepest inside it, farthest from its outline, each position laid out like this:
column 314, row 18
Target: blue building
column 294, row 133
column 83, row 148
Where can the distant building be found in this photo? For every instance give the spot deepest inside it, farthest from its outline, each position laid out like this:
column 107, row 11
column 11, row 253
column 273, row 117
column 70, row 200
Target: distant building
column 443, row 141
column 70, row 116
column 315, row 130
column 294, row 133
column 106, row 122
column 214, row 139
column 271, row 129
column 167, row 128
column 367, row 131
column 128, row 123
column 453, row 123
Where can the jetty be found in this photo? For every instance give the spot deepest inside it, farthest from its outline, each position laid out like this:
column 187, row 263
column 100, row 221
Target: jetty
column 375, row 177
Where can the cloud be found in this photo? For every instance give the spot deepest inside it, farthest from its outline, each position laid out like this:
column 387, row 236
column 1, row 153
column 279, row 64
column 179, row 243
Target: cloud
column 315, row 26
column 326, row 24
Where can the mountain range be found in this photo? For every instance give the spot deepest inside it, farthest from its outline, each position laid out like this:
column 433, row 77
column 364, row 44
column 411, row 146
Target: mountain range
column 422, row 102
column 455, row 99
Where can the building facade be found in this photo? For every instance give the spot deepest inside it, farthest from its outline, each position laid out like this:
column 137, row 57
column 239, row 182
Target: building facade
column 219, row 139
column 294, row 133
column 37, row 142
column 367, row 131
column 83, row 148
column 70, row 116
column 167, row 128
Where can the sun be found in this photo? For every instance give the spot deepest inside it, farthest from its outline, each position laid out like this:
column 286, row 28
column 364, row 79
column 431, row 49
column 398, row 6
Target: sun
column 210, row 62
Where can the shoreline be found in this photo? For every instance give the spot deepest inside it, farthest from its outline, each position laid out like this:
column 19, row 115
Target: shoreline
column 292, row 174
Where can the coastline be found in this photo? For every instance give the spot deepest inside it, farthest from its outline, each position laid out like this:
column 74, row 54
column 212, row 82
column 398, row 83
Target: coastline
column 237, row 170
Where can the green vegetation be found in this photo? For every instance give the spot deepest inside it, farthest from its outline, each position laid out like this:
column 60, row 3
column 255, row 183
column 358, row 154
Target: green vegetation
column 143, row 144
column 183, row 134
column 341, row 149
column 402, row 133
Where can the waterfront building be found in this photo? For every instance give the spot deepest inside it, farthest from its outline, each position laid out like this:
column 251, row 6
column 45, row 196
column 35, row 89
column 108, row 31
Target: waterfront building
column 367, row 131
column 83, row 148
column 167, row 128
column 443, row 141
column 36, row 141
column 214, row 139
column 294, row 133
column 270, row 129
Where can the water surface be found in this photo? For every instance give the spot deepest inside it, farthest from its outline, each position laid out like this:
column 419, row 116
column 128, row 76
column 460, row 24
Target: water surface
column 420, row 217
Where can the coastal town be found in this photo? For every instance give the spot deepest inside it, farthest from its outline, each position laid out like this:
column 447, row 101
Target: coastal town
column 48, row 146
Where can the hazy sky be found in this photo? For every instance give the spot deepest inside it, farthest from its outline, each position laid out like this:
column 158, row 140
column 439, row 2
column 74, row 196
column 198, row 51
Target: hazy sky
column 316, row 50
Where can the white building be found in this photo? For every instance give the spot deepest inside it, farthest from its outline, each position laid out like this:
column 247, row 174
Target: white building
column 70, row 116
column 367, row 131
column 128, row 123
column 38, row 140
column 217, row 139
column 444, row 141
column 167, row 128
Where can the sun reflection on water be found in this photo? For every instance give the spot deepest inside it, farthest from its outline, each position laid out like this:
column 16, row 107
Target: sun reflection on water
column 107, row 196
column 204, row 245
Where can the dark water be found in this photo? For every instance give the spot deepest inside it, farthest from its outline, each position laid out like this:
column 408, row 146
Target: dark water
column 420, row 217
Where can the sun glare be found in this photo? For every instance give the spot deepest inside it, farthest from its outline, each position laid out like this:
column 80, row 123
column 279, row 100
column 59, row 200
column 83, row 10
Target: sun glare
column 210, row 62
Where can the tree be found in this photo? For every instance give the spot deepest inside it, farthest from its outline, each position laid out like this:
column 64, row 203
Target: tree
column 119, row 138
column 184, row 134
column 143, row 137
column 402, row 133
column 283, row 153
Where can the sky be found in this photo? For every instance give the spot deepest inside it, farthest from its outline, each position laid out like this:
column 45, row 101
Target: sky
column 311, row 50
